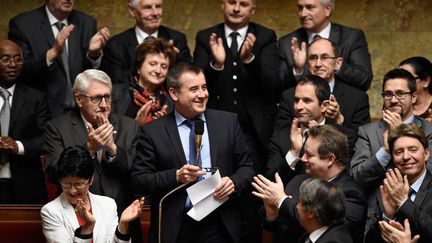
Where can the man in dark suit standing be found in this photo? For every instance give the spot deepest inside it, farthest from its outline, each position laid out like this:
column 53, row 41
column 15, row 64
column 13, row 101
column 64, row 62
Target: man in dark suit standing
column 309, row 101
column 57, row 43
column 165, row 160
column 314, row 16
column 406, row 190
column 119, row 55
column 240, row 60
column 325, row 158
column 348, row 106
column 23, row 114
column 109, row 138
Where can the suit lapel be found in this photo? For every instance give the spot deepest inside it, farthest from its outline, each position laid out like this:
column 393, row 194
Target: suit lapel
column 132, row 44
column 18, row 103
column 69, row 213
column 173, row 134
column 335, row 33
column 73, row 42
column 46, row 27
column 382, row 126
column 213, row 133
column 78, row 126
column 424, row 189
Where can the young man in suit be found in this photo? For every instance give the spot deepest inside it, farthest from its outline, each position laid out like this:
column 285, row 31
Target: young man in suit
column 348, row 106
column 57, row 43
column 119, row 55
column 309, row 101
column 165, row 160
column 372, row 156
column 406, row 190
column 23, row 115
column 321, row 212
column 325, row 158
column 109, row 137
column 314, row 16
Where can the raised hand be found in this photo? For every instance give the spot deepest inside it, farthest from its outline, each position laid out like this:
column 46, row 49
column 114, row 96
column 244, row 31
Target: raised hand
column 246, row 51
column 98, row 42
column 218, row 51
column 333, row 111
column 83, row 210
column 298, row 54
column 296, row 138
column 60, row 43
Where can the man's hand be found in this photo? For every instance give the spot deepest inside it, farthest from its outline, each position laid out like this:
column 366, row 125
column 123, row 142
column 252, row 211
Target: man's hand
column 171, row 42
column 60, row 43
column 392, row 119
column 189, row 173
column 298, row 55
column 98, row 42
column 102, row 137
column 296, row 138
column 84, row 212
column 246, row 51
column 8, row 145
column 129, row 214
column 218, row 51
column 224, row 189
column 397, row 186
column 272, row 194
column 333, row 111
column 394, row 232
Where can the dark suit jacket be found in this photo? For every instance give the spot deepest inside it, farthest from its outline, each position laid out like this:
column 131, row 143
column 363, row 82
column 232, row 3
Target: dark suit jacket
column 334, row 234
column 287, row 225
column 354, row 106
column 29, row 114
column 419, row 214
column 365, row 168
column 252, row 86
column 111, row 179
column 32, row 32
column 119, row 53
column 160, row 154
column 353, row 48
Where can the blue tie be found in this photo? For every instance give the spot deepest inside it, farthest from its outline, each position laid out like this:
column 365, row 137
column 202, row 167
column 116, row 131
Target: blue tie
column 192, row 150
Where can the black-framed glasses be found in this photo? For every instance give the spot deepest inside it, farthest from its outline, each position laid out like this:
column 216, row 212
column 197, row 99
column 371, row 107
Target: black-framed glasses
column 211, row 169
column 7, row 60
column 77, row 185
column 98, row 99
column 398, row 94
column 323, row 58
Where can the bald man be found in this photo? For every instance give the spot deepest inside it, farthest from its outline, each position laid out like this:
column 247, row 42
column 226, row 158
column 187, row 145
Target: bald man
column 23, row 114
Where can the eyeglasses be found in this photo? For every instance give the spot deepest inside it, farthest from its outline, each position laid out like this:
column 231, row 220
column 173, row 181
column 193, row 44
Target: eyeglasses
column 7, row 60
column 398, row 94
column 77, row 185
column 323, row 58
column 98, row 99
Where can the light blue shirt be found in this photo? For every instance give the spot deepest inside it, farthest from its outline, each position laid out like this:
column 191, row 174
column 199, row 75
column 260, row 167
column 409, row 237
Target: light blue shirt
column 184, row 131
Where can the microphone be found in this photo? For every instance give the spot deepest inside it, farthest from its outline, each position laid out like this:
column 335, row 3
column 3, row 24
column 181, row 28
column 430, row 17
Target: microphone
column 199, row 131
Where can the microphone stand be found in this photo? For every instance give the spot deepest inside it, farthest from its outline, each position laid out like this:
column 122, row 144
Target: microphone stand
column 198, row 156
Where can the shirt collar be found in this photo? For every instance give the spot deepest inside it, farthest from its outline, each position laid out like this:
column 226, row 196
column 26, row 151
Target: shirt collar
column 314, row 236
column 409, row 120
column 11, row 90
column 325, row 33
column 242, row 31
column 304, row 128
column 180, row 118
column 331, row 84
column 141, row 35
column 416, row 185
column 52, row 19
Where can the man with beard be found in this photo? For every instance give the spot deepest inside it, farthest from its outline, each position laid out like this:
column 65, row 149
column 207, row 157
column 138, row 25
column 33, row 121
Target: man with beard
column 372, row 155
column 23, row 115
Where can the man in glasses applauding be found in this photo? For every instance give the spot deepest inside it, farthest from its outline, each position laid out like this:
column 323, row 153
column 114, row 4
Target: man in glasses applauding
column 108, row 137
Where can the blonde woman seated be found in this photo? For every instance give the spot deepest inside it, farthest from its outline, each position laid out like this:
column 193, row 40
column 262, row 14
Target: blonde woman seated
column 80, row 216
column 144, row 98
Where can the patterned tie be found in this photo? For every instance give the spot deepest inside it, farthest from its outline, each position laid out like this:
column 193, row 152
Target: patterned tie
column 234, row 44
column 4, row 120
column 411, row 192
column 69, row 102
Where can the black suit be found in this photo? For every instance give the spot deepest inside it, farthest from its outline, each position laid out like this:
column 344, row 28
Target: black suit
column 419, row 214
column 287, row 228
column 111, row 179
column 247, row 89
column 354, row 106
column 33, row 33
column 29, row 114
column 119, row 54
column 356, row 69
column 334, row 234
column 160, row 154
